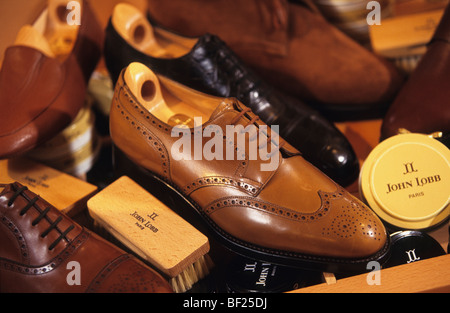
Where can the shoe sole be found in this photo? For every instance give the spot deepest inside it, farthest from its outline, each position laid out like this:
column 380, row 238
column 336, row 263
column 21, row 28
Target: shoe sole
column 171, row 196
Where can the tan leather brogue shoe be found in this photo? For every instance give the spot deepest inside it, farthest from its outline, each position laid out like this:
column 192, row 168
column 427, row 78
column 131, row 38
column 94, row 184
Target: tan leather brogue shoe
column 269, row 204
column 43, row 251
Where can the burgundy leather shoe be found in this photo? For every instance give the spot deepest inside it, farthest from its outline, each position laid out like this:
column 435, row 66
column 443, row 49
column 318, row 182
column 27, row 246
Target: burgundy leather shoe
column 42, row 250
column 422, row 105
column 43, row 79
column 256, row 193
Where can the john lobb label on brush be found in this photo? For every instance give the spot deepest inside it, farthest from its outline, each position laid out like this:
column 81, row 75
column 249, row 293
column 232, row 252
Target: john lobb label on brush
column 406, row 180
column 153, row 231
column 145, row 223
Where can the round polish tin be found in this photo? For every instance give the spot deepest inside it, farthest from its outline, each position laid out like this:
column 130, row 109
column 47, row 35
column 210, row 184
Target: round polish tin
column 411, row 246
column 406, row 181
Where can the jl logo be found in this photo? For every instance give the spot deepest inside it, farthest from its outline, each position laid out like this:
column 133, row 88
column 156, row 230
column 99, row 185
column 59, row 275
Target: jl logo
column 412, row 256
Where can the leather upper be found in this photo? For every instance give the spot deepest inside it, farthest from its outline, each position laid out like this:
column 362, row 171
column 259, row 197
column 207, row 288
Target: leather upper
column 40, row 95
column 39, row 244
column 422, row 104
column 293, row 48
column 211, row 67
column 293, row 208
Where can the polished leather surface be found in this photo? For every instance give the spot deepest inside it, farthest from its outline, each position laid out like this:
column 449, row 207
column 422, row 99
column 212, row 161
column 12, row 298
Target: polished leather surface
column 39, row 95
column 422, row 104
column 39, row 243
column 211, row 67
column 293, row 48
column 293, row 212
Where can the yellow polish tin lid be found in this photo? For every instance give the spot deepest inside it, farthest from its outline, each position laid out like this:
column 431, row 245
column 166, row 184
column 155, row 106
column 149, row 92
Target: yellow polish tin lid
column 406, row 181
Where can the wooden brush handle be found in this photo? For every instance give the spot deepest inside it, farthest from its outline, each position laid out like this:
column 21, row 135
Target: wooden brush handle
column 148, row 227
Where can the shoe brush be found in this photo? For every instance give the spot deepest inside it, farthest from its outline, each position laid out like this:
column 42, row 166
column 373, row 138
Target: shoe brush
column 408, row 63
column 151, row 230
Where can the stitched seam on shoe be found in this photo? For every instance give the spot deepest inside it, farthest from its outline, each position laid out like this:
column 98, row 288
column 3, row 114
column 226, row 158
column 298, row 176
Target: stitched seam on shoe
column 146, row 134
column 300, row 256
column 222, row 181
column 19, row 237
column 134, row 103
column 268, row 207
column 50, row 266
column 105, row 272
column 297, row 255
column 326, row 198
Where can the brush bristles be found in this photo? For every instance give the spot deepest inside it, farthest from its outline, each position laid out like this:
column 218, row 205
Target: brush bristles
column 101, row 231
column 183, row 281
column 191, row 275
column 408, row 63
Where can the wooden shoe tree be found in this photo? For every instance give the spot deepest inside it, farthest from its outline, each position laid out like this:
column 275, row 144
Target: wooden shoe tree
column 31, row 37
column 133, row 26
column 169, row 101
column 50, row 34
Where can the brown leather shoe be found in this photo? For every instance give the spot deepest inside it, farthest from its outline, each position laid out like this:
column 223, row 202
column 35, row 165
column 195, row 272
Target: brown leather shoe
column 273, row 205
column 43, row 251
column 293, row 48
column 422, row 104
column 207, row 65
column 43, row 78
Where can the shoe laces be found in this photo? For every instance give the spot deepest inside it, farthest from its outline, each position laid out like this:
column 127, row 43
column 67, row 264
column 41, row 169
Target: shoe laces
column 42, row 214
column 253, row 120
